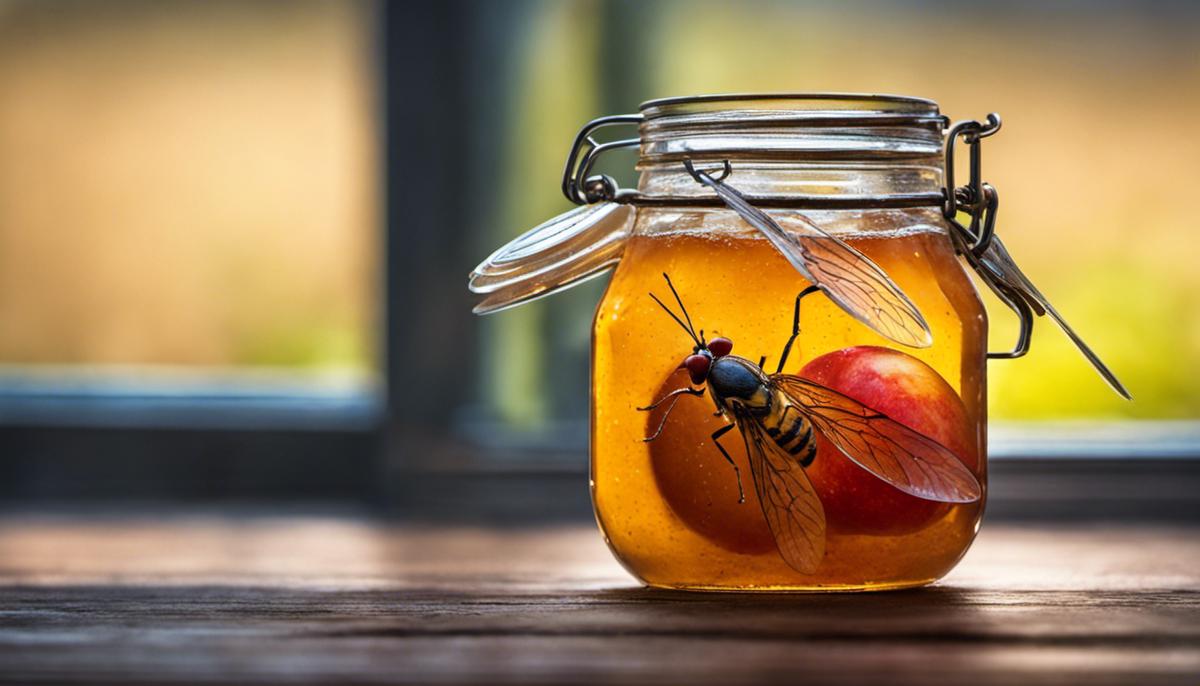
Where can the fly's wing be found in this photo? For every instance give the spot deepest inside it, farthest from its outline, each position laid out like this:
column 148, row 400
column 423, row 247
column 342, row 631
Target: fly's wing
column 847, row 276
column 913, row 463
column 789, row 503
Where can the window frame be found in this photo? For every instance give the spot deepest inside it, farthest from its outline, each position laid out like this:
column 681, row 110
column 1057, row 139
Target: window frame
column 400, row 452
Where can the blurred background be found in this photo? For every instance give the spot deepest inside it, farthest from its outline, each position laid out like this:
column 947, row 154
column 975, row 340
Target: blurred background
column 234, row 236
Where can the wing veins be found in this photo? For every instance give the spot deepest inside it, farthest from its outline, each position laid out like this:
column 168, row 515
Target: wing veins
column 908, row 460
column 842, row 263
column 789, row 503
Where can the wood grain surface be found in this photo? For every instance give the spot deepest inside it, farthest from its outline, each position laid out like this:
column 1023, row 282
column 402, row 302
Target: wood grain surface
column 235, row 598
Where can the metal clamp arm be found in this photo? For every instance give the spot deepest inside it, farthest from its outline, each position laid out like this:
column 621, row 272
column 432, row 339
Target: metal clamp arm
column 577, row 186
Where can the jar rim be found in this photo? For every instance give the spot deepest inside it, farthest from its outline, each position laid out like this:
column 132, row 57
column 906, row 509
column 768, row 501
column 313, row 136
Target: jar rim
column 800, row 101
column 808, row 127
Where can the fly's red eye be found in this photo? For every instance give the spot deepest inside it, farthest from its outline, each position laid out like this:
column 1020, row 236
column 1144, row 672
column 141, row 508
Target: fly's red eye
column 697, row 366
column 720, row 347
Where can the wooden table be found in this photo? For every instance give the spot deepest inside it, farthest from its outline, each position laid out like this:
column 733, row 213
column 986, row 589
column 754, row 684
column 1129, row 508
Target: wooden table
column 314, row 598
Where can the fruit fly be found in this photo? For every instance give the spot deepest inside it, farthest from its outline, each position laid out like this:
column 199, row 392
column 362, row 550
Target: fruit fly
column 779, row 415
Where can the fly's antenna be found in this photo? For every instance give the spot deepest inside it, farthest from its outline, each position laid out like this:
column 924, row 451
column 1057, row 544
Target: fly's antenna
column 691, row 329
column 676, row 318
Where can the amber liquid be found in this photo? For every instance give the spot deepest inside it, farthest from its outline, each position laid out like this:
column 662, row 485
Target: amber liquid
column 735, row 284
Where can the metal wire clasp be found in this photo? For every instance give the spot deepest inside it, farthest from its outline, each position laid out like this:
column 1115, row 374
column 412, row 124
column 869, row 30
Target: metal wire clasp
column 577, row 184
column 981, row 200
column 977, row 198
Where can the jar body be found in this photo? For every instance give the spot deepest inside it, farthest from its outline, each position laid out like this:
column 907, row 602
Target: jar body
column 668, row 508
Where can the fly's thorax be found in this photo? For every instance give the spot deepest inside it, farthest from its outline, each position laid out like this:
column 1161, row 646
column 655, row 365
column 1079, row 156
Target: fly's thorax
column 736, row 379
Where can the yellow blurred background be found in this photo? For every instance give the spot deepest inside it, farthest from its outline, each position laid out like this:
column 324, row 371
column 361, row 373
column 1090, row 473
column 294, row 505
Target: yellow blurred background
column 188, row 183
column 199, row 184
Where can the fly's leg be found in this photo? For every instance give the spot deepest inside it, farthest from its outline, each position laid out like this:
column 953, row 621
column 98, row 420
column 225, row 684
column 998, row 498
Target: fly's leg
column 674, row 397
column 716, row 439
column 761, row 361
column 678, row 391
column 795, row 327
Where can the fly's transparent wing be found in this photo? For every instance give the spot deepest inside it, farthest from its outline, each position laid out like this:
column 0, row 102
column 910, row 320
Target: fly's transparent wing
column 912, row 462
column 789, row 503
column 848, row 277
column 565, row 251
column 861, row 287
column 1001, row 266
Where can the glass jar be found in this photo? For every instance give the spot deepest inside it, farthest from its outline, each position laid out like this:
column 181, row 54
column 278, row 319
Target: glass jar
column 789, row 363
column 669, row 508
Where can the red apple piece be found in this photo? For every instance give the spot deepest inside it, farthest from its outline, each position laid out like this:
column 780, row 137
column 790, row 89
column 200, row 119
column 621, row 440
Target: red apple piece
column 908, row 391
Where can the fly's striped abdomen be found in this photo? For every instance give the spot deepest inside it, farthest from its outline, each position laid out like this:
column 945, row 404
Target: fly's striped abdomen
column 790, row 431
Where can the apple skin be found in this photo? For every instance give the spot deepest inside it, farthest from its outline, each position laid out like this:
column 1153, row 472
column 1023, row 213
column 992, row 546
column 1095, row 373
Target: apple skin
column 911, row 393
